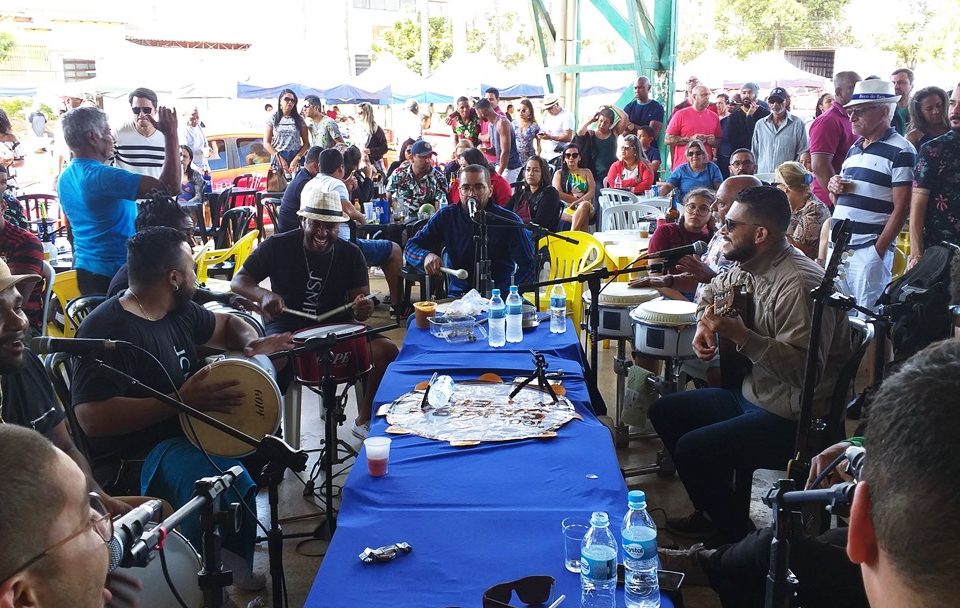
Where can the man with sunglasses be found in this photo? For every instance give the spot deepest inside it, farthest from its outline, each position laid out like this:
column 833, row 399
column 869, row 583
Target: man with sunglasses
column 323, row 130
column 55, row 533
column 510, row 247
column 140, row 146
column 873, row 190
column 712, row 432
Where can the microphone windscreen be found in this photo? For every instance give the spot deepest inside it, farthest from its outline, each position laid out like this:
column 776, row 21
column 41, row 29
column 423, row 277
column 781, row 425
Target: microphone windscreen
column 116, row 554
column 699, row 247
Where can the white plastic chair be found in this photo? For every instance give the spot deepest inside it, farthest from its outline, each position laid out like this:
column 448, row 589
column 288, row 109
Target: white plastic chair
column 663, row 203
column 48, row 276
column 628, row 216
column 610, row 197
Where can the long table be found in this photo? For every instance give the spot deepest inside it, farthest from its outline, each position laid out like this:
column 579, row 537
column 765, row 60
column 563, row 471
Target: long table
column 474, row 516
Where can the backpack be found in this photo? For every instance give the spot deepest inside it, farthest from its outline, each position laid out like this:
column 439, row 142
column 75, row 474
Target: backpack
column 919, row 304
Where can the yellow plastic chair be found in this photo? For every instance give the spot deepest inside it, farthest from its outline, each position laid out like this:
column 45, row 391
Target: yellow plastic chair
column 239, row 252
column 65, row 288
column 567, row 260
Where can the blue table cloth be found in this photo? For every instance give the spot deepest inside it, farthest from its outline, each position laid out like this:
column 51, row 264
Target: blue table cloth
column 475, row 516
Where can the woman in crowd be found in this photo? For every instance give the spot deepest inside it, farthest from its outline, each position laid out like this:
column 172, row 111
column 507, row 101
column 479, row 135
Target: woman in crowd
column 403, row 157
column 535, row 199
column 11, row 156
column 809, row 212
column 372, row 140
column 823, row 104
column 576, row 187
column 286, row 138
column 502, row 190
column 358, row 175
column 191, row 180
column 526, row 128
column 465, row 122
column 452, row 168
column 697, row 172
column 630, row 172
column 599, row 146
column 928, row 115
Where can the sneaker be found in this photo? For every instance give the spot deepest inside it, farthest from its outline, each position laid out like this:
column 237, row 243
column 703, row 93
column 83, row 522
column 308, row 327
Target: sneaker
column 689, row 561
column 360, row 431
column 695, row 525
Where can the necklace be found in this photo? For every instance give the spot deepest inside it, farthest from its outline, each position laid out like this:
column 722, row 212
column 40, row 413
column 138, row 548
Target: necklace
column 323, row 285
column 134, row 294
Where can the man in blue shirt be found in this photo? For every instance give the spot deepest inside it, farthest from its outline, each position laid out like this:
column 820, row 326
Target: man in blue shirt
column 99, row 200
column 643, row 110
column 509, row 247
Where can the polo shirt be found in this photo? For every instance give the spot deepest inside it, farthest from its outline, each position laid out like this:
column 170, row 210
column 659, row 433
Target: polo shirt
column 875, row 170
column 774, row 145
column 831, row 133
column 689, row 121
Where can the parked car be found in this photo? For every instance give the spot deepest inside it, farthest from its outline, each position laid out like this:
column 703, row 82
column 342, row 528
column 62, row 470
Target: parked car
column 234, row 154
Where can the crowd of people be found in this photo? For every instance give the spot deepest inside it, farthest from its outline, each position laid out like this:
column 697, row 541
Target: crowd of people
column 750, row 178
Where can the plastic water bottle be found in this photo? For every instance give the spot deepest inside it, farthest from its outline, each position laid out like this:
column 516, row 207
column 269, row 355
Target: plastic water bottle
column 641, row 588
column 598, row 564
column 497, row 332
column 440, row 391
column 618, row 183
column 514, row 316
column 558, row 310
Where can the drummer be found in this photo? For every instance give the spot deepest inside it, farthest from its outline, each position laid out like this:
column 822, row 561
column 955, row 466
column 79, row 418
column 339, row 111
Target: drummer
column 135, row 440
column 312, row 270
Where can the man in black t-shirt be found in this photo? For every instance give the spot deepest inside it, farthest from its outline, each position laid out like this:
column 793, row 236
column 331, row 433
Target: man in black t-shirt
column 314, row 271
column 133, row 436
column 287, row 219
column 26, row 396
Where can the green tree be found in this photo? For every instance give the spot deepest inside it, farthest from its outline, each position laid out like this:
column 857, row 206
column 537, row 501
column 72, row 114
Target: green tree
column 751, row 26
column 403, row 40
column 6, row 45
column 911, row 48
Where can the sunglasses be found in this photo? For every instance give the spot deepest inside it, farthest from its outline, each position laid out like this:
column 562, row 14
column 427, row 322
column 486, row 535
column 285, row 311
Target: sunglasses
column 572, row 155
column 695, row 153
column 142, row 110
column 530, row 590
column 290, row 99
column 858, row 112
column 732, row 224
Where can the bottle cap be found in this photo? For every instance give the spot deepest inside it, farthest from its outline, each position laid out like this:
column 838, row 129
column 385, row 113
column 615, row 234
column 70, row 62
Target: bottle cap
column 513, row 289
column 495, row 292
column 637, row 499
column 599, row 519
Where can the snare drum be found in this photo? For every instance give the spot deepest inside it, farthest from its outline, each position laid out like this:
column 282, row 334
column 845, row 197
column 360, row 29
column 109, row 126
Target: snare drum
column 616, row 301
column 259, row 414
column 183, row 564
column 665, row 328
column 351, row 354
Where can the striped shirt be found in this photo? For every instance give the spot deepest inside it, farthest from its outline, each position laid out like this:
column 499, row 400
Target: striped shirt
column 138, row 154
column 875, row 171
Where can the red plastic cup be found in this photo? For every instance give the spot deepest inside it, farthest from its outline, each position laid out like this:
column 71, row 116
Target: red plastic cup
column 378, row 455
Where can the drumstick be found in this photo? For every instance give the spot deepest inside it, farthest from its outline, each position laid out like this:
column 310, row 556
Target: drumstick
column 338, row 310
column 298, row 313
column 459, row 273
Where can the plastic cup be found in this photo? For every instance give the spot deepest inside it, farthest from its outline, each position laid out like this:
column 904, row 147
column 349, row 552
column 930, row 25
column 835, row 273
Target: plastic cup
column 378, row 455
column 423, row 311
column 846, row 185
column 574, row 529
column 369, row 212
column 644, row 229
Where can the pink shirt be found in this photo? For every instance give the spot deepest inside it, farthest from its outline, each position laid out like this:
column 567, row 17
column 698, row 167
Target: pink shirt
column 688, row 122
column 831, row 133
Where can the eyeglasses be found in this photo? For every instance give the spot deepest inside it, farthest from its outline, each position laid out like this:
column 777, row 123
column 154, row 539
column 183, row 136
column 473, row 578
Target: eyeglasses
column 290, row 99
column 530, row 590
column 101, row 523
column 858, row 112
column 572, row 155
column 472, row 187
column 142, row 110
column 698, row 209
column 741, row 163
column 731, row 224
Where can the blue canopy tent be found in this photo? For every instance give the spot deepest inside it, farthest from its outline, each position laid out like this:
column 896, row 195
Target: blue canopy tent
column 10, row 91
column 342, row 93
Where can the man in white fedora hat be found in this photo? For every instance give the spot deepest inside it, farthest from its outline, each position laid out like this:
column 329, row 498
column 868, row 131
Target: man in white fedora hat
column 556, row 129
column 873, row 189
column 312, row 270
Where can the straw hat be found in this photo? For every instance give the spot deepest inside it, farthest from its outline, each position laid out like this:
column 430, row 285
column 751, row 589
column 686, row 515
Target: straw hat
column 872, row 91
column 318, row 204
column 8, row 280
column 550, row 99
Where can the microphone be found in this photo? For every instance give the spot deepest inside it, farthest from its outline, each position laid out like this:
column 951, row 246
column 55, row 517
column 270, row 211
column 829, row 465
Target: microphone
column 855, row 459
column 459, row 273
column 678, row 252
column 73, row 346
column 127, row 530
column 472, row 208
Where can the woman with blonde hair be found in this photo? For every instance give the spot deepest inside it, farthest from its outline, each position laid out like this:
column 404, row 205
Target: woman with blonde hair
column 809, row 212
column 372, row 141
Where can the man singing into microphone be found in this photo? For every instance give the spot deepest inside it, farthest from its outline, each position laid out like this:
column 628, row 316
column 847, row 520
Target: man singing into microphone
column 509, row 246
column 712, row 432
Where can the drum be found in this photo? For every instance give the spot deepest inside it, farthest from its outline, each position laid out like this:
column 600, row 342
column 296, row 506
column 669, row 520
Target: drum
column 665, row 328
column 351, row 354
column 183, row 563
column 259, row 414
column 616, row 301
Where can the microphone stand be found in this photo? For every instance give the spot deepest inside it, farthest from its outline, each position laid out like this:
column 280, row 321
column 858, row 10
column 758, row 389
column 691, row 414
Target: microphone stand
column 482, row 280
column 273, row 450
column 538, row 233
column 212, row 578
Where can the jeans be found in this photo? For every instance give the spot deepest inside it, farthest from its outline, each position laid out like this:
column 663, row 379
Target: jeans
column 710, row 433
column 90, row 283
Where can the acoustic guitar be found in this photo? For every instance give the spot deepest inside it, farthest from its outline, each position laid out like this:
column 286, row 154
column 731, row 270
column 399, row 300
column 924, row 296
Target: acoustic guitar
column 734, row 366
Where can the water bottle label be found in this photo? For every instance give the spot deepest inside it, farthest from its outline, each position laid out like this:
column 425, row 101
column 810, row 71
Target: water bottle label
column 558, row 302
column 640, row 549
column 598, row 569
column 497, row 313
column 514, row 309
